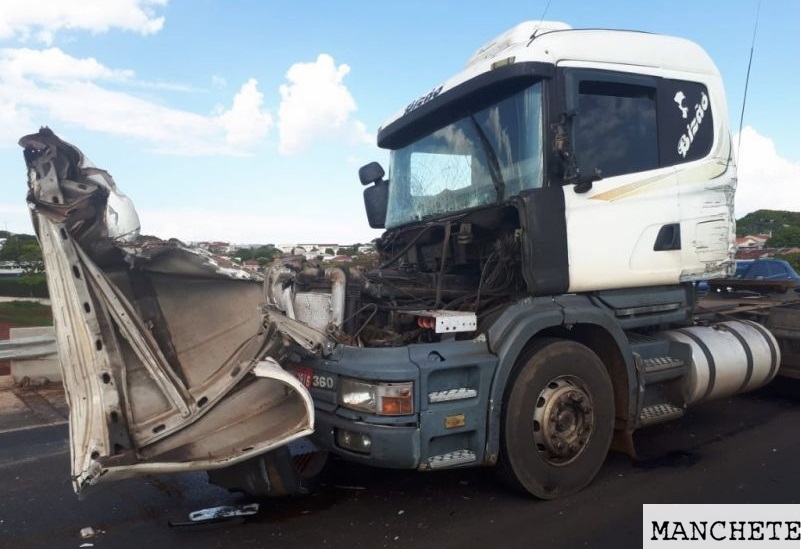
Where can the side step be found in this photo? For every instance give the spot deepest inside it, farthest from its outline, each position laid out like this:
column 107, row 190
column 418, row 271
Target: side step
column 451, row 459
column 661, row 368
column 658, row 413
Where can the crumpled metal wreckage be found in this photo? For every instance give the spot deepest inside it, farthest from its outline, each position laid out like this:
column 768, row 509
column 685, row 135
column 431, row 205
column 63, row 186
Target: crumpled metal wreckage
column 167, row 362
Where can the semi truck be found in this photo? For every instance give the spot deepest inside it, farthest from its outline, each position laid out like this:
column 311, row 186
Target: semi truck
column 547, row 212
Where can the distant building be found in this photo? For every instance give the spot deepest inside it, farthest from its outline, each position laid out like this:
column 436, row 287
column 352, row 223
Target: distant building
column 10, row 269
column 308, row 249
column 322, row 247
column 752, row 242
column 251, row 265
column 220, row 248
column 752, row 254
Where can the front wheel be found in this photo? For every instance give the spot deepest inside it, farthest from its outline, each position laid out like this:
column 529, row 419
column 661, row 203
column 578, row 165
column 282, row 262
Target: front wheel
column 558, row 419
column 295, row 469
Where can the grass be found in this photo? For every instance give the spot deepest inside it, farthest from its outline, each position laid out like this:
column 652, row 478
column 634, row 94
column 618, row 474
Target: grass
column 24, row 313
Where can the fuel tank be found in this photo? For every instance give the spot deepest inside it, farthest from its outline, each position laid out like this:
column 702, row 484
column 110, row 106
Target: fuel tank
column 727, row 358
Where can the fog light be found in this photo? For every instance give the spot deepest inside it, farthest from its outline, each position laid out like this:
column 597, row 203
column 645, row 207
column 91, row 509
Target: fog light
column 355, row 442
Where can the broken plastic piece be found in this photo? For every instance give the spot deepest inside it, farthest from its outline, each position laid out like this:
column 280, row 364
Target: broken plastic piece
column 224, row 511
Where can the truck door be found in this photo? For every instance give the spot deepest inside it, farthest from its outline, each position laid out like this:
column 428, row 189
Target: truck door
column 662, row 212
column 613, row 228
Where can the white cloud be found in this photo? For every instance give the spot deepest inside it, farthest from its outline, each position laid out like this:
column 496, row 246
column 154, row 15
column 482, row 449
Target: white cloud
column 55, row 89
column 765, row 180
column 15, row 216
column 51, row 87
column 198, row 224
column 53, row 65
column 14, row 121
column 246, row 122
column 235, row 226
column 44, row 18
column 316, row 104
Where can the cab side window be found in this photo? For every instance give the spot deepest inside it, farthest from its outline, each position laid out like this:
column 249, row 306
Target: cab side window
column 627, row 123
column 614, row 122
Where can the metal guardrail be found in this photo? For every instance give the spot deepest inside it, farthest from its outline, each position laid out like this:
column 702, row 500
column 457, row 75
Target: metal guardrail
column 28, row 347
column 33, row 353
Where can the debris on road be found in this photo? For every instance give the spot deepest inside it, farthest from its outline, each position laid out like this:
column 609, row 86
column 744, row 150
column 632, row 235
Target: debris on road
column 223, row 513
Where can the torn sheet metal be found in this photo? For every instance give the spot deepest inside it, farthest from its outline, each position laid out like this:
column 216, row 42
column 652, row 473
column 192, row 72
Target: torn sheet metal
column 156, row 340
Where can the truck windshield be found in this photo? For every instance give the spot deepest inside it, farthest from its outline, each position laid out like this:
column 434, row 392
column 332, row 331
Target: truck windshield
column 483, row 158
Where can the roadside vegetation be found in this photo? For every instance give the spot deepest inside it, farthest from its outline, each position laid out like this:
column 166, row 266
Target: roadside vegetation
column 782, row 226
column 24, row 313
column 792, row 259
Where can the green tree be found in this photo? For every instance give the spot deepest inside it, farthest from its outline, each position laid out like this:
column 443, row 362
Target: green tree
column 784, row 237
column 32, row 280
column 792, row 259
column 22, row 249
column 766, row 221
column 348, row 250
column 265, row 253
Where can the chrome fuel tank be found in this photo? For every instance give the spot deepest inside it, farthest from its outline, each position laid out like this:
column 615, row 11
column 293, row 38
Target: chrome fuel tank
column 727, row 358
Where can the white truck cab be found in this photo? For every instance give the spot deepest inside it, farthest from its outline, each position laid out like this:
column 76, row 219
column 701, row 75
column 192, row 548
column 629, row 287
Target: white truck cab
column 630, row 126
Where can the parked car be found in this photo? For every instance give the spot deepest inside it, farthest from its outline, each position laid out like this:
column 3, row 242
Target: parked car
column 755, row 269
column 765, row 269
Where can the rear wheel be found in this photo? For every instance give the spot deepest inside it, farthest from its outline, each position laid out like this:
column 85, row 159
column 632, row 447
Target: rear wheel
column 558, row 419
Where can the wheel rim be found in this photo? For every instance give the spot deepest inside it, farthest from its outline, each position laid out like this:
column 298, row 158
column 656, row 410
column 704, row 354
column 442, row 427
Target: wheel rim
column 563, row 420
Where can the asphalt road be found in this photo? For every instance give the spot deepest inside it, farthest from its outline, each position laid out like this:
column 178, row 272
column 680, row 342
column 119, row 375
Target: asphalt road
column 739, row 450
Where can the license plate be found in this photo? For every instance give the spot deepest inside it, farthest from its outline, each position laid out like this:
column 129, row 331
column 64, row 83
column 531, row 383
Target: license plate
column 304, row 374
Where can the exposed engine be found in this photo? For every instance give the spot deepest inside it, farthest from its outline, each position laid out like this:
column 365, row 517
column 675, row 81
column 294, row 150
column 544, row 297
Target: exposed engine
column 469, row 263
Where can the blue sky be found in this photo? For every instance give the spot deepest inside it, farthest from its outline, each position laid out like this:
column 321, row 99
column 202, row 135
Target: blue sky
column 247, row 121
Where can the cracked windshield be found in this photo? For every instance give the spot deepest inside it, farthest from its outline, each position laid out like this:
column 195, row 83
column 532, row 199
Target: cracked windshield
column 481, row 159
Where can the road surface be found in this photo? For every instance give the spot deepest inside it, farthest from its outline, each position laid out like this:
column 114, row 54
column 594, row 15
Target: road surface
column 740, row 450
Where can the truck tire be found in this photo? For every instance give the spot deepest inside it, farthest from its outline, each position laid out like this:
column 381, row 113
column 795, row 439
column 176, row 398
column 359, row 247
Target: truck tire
column 557, row 420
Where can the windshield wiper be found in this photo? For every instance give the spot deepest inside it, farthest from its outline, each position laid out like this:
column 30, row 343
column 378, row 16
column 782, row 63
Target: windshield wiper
column 492, row 160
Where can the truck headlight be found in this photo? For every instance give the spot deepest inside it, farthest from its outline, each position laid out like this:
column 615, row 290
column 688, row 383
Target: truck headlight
column 385, row 399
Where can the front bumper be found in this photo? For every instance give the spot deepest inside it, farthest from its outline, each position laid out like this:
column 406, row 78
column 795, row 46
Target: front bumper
column 392, row 446
column 441, row 432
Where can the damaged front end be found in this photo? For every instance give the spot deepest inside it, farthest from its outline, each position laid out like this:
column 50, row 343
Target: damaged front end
column 431, row 282
column 168, row 363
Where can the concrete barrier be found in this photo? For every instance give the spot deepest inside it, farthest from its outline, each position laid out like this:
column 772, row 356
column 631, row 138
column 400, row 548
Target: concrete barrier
column 33, row 354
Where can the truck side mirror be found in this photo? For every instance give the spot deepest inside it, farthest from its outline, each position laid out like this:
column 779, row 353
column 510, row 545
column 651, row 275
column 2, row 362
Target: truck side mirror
column 371, row 173
column 375, row 196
